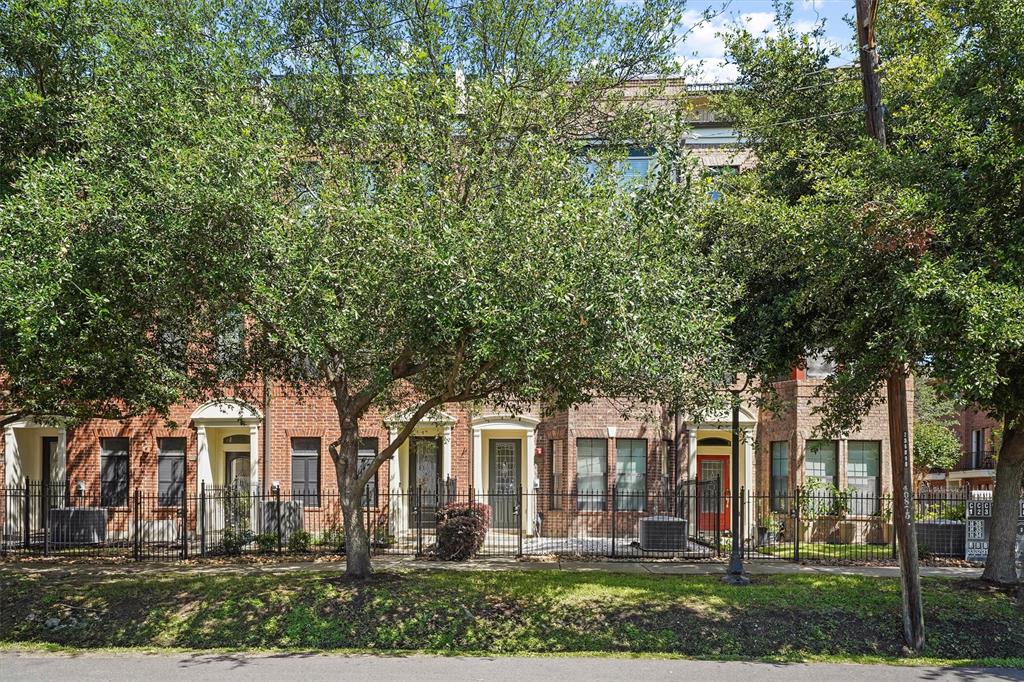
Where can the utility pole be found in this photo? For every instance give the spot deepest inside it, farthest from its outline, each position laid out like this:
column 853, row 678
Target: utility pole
column 896, row 381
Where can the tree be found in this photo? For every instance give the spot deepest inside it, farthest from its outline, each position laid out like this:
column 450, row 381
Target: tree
column 125, row 222
column 935, row 444
column 447, row 240
column 880, row 258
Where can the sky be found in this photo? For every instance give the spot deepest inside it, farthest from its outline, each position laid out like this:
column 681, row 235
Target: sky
column 704, row 48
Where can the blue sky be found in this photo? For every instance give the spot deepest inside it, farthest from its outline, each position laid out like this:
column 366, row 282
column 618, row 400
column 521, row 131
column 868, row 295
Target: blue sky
column 703, row 48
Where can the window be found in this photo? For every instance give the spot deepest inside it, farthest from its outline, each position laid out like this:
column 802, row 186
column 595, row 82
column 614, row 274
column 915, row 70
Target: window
column 630, row 473
column 113, row 472
column 820, row 462
column 555, row 448
column 818, row 366
column 631, row 172
column 367, row 453
column 862, row 467
column 977, row 447
column 780, row 476
column 170, row 471
column 306, row 471
column 591, row 473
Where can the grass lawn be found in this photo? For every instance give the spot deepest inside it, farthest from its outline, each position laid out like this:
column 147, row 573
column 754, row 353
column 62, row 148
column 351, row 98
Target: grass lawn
column 787, row 617
column 824, row 550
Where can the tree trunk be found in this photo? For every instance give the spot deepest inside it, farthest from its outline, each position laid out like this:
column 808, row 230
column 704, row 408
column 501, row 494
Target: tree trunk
column 345, row 453
column 357, row 542
column 1000, row 565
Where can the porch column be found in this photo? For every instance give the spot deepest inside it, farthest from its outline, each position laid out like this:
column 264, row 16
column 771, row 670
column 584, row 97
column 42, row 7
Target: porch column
column 532, row 485
column 691, row 454
column 12, row 468
column 478, row 459
column 396, row 501
column 59, row 464
column 204, row 472
column 748, row 475
column 446, row 452
column 254, row 457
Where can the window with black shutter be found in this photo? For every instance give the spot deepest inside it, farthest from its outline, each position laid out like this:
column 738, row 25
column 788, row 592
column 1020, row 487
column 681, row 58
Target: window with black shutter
column 306, row 471
column 113, row 472
column 367, row 453
column 171, row 471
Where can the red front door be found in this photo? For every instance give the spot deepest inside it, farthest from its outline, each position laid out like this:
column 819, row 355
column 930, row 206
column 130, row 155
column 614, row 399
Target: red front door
column 713, row 513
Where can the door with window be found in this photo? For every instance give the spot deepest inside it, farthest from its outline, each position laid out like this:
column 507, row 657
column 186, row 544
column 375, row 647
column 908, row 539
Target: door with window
column 424, row 488
column 713, row 511
column 237, row 474
column 504, row 481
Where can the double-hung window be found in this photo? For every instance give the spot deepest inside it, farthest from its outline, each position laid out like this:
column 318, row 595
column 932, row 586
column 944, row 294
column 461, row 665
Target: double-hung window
column 591, row 473
column 821, row 466
column 306, row 471
column 170, row 471
column 113, row 472
column 780, row 476
column 630, row 473
column 862, row 476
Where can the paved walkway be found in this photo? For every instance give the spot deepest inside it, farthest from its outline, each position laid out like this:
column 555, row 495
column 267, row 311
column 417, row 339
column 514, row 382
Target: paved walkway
column 403, row 563
column 274, row 667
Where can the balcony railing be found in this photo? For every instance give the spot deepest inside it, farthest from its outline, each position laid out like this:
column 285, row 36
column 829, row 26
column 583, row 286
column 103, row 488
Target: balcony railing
column 981, row 459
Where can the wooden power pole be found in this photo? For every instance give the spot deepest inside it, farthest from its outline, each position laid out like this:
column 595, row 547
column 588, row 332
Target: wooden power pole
column 896, row 381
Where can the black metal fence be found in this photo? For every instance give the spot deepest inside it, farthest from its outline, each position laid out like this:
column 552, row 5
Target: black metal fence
column 692, row 521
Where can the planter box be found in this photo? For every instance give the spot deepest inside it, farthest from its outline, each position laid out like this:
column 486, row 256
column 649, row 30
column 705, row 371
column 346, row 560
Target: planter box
column 942, row 538
column 292, row 518
column 821, row 529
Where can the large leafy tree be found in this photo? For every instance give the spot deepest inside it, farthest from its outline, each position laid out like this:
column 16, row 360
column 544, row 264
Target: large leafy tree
column 137, row 158
column 459, row 225
column 900, row 257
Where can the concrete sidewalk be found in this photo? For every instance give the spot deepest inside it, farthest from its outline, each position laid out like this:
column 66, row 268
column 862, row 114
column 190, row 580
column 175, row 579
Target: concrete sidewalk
column 311, row 666
column 403, row 563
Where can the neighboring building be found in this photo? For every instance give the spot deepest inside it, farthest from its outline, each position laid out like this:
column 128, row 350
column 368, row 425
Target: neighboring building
column 976, row 469
column 568, row 462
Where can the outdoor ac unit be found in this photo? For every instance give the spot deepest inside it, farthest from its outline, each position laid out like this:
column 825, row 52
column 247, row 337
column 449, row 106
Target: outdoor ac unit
column 663, row 534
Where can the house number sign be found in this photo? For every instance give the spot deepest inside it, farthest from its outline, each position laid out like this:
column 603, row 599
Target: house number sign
column 979, row 524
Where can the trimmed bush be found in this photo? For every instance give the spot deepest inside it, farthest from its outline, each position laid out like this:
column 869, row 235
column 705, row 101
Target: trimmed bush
column 333, row 539
column 299, row 541
column 461, row 529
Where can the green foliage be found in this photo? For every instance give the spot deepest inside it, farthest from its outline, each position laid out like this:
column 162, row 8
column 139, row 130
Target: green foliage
column 333, row 539
column 234, row 540
column 299, row 542
column 935, row 447
column 266, row 543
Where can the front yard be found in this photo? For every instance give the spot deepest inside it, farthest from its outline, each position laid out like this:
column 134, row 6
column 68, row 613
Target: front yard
column 544, row 612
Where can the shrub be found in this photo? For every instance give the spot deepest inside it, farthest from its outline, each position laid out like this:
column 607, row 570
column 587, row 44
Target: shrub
column 461, row 529
column 234, row 540
column 333, row 539
column 299, row 541
column 266, row 542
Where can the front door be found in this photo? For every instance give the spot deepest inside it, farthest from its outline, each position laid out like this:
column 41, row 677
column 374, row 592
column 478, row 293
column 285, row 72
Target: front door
column 504, row 482
column 49, row 495
column 237, row 475
column 424, row 488
column 714, row 508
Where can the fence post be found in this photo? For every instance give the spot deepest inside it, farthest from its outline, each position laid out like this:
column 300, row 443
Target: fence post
column 136, row 525
column 277, row 507
column 741, row 538
column 519, row 519
column 202, row 519
column 184, row 522
column 719, row 497
column 45, row 504
column 25, row 525
column 796, row 526
column 615, row 491
column 419, row 520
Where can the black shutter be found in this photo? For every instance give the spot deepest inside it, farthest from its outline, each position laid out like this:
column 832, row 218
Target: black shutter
column 306, row 470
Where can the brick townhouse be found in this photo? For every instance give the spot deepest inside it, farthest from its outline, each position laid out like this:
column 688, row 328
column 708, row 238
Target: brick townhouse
column 976, row 470
column 567, row 462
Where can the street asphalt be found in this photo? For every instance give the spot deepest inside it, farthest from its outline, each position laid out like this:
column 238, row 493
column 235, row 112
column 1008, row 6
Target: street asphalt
column 309, row 667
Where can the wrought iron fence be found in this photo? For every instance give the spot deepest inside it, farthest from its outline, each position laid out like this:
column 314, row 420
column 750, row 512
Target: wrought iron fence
column 692, row 521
